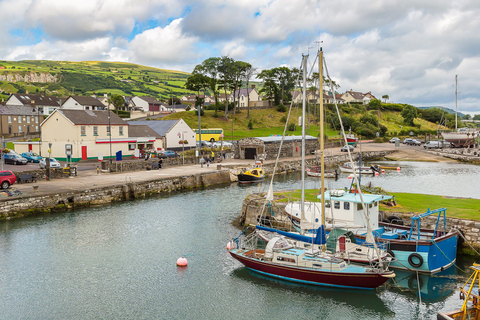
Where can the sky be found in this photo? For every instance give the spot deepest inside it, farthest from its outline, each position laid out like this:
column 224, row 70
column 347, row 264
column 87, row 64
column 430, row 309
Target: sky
column 410, row 50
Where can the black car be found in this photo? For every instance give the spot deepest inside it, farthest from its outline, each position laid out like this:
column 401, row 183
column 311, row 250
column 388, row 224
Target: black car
column 13, row 158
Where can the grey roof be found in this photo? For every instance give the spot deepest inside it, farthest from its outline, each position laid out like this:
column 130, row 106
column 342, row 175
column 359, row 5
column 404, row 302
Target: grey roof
column 39, row 100
column 150, row 100
column 91, row 117
column 88, row 101
column 135, row 131
column 159, row 126
column 287, row 138
column 18, row 110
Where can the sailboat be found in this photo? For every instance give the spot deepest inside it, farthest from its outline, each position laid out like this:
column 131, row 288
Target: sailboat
column 281, row 259
column 463, row 137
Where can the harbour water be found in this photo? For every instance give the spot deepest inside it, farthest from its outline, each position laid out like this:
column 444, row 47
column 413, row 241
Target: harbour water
column 119, row 261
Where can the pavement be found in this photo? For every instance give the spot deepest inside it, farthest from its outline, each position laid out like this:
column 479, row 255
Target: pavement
column 89, row 178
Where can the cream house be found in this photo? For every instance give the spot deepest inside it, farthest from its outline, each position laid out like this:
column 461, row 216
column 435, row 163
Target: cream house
column 88, row 133
column 241, row 97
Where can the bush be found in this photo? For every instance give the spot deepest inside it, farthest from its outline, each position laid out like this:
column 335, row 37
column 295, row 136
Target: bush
column 281, row 108
column 283, row 119
column 250, row 125
column 291, row 127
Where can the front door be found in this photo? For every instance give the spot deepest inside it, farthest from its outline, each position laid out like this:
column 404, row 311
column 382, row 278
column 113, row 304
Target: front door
column 84, row 152
column 250, row 153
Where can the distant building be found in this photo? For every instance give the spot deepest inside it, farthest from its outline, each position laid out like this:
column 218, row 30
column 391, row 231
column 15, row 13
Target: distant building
column 354, row 96
column 19, row 120
column 47, row 104
column 83, row 103
column 241, row 97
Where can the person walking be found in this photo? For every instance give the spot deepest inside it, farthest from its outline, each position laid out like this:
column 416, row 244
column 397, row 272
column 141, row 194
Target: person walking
column 213, row 156
column 160, row 162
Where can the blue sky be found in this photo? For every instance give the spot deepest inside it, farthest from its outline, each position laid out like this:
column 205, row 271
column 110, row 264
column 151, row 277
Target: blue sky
column 410, row 50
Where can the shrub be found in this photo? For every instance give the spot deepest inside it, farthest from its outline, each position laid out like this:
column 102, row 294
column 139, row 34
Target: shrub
column 281, row 108
column 283, row 119
column 250, row 124
column 291, row 127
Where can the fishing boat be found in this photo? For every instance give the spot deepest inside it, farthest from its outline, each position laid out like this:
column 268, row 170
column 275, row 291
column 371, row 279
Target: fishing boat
column 413, row 248
column 348, row 168
column 316, row 171
column 281, row 259
column 252, row 175
column 471, row 305
column 351, row 139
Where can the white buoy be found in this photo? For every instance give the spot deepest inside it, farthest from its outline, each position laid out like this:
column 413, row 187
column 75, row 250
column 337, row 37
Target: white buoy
column 231, row 245
column 182, row 262
column 383, row 171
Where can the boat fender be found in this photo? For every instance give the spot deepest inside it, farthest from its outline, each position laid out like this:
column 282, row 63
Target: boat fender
column 418, row 257
column 390, row 253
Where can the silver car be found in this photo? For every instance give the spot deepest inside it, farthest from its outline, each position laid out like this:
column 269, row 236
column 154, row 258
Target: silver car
column 53, row 163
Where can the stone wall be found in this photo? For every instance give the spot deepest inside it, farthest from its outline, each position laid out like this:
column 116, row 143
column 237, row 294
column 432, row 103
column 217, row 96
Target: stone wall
column 253, row 206
column 470, row 155
column 22, row 206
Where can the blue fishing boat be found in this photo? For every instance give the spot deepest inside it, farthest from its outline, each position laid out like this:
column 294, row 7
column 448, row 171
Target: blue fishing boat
column 413, row 248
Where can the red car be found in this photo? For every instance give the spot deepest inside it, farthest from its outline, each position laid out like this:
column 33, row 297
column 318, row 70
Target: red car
column 7, row 178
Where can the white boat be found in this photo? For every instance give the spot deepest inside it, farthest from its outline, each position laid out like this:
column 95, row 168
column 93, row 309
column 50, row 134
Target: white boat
column 347, row 168
column 316, row 171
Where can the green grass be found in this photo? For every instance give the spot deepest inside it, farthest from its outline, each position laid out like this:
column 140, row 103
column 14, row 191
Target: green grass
column 463, row 208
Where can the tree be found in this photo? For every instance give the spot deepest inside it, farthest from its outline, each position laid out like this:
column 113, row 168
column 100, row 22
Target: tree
column 270, row 87
column 374, row 104
column 226, row 71
column 249, row 73
column 476, row 117
column 386, row 97
column 197, row 82
column 409, row 113
column 433, row 115
column 118, row 101
column 210, row 69
column 467, row 117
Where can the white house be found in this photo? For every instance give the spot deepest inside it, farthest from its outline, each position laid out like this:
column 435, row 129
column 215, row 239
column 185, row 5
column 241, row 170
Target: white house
column 42, row 104
column 241, row 96
column 82, row 103
column 172, row 131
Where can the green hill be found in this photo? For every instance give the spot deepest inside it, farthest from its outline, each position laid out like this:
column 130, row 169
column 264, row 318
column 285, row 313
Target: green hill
column 88, row 77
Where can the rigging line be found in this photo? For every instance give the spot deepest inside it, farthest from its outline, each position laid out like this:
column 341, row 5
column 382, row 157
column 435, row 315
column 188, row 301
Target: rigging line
column 365, row 208
column 279, row 150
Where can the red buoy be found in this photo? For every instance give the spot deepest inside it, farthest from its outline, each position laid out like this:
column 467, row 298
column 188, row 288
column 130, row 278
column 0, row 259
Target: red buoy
column 376, row 173
column 398, row 168
column 182, row 262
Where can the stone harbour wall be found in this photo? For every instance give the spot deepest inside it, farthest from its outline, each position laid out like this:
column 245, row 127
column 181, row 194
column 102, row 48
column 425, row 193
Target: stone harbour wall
column 22, row 206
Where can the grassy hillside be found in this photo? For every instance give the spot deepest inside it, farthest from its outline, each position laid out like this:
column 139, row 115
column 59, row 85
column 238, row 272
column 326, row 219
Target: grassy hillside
column 88, row 77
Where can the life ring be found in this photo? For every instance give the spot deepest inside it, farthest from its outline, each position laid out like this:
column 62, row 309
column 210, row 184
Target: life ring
column 415, row 264
column 413, row 284
column 390, row 253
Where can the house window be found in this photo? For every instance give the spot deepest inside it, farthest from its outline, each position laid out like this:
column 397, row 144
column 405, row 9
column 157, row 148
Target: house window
column 346, row 205
column 9, row 129
column 82, row 130
column 36, row 119
column 95, row 130
column 131, row 146
column 36, row 128
column 120, row 130
column 20, row 119
column 28, row 119
column 9, row 119
column 28, row 129
column 19, row 129
column 108, row 130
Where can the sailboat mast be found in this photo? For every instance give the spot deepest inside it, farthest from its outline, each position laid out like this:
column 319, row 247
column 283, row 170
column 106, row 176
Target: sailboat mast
column 322, row 129
column 456, row 102
column 304, row 66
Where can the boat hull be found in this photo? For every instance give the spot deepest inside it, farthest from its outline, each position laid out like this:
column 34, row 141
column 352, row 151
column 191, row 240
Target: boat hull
column 317, row 172
column 311, row 276
column 247, row 178
column 460, row 139
column 350, row 170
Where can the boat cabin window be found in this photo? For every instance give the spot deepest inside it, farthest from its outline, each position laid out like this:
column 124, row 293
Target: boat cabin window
column 327, row 204
column 375, row 204
column 370, row 205
column 346, row 205
column 359, row 206
column 284, row 259
column 336, row 204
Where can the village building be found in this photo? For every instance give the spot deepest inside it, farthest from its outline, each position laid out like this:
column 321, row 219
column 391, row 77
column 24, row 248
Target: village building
column 242, row 96
column 43, row 104
column 176, row 134
column 19, row 120
column 82, row 103
column 91, row 134
column 358, row 97
column 267, row 147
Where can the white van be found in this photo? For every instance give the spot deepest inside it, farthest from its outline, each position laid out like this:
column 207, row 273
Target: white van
column 432, row 145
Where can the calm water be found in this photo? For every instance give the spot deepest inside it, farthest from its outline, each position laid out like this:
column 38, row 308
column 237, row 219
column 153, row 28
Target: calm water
column 118, row 261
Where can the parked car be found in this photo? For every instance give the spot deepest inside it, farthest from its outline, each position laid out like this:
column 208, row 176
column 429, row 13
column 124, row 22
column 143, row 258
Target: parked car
column 14, row 158
column 218, row 144
column 344, row 148
column 414, row 142
column 205, row 144
column 407, row 140
column 31, row 156
column 393, row 140
column 432, row 145
column 7, row 178
column 167, row 154
column 53, row 163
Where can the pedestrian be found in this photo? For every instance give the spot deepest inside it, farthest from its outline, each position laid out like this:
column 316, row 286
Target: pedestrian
column 202, row 161
column 223, row 152
column 213, row 156
column 160, row 162
column 208, row 162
